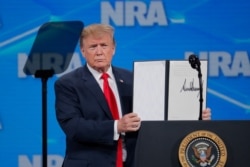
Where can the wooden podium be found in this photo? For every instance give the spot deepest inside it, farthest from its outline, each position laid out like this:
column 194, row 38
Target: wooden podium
column 159, row 142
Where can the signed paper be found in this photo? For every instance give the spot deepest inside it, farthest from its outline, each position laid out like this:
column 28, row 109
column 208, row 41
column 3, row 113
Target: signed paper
column 168, row 90
column 184, row 94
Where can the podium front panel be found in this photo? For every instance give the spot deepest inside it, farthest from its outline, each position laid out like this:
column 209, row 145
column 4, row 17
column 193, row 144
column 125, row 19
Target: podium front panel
column 159, row 141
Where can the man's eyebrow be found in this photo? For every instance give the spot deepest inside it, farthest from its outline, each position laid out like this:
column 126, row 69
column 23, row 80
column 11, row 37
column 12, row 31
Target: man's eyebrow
column 94, row 44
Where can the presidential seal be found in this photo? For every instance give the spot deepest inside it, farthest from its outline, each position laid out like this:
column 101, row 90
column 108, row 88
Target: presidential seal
column 202, row 149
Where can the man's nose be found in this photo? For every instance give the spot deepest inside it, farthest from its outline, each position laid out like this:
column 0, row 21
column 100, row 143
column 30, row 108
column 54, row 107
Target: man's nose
column 99, row 49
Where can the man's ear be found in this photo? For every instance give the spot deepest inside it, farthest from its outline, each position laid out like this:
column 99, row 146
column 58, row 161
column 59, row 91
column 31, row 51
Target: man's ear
column 82, row 52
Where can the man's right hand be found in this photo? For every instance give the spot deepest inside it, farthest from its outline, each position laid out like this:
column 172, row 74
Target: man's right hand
column 129, row 123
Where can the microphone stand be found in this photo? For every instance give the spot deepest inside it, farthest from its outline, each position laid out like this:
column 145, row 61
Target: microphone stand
column 201, row 90
column 196, row 64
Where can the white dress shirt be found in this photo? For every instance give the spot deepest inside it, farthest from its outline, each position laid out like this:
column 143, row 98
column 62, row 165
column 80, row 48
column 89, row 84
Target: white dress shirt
column 113, row 86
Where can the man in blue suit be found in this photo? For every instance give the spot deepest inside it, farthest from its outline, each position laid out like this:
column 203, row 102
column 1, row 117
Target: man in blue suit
column 83, row 113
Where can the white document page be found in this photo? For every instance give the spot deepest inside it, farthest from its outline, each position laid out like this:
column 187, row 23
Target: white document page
column 149, row 90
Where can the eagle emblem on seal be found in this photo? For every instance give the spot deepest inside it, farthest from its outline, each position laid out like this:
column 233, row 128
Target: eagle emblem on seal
column 202, row 154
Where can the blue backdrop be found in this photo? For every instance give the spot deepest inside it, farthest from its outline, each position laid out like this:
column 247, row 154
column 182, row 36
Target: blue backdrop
column 145, row 30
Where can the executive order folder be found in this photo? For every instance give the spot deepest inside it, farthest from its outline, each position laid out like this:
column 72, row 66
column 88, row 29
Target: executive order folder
column 168, row 90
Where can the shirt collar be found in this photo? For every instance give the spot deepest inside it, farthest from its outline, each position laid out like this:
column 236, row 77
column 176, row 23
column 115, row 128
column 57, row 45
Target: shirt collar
column 98, row 75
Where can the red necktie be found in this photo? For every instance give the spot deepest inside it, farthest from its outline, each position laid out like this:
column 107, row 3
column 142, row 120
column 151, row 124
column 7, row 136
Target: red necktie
column 109, row 95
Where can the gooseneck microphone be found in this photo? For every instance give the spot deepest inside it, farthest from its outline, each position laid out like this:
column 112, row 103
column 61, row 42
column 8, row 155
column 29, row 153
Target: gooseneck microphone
column 195, row 63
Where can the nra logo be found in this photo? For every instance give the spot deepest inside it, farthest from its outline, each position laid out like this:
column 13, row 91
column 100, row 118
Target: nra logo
column 130, row 13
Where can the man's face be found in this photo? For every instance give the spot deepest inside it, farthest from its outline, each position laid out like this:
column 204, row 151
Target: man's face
column 98, row 51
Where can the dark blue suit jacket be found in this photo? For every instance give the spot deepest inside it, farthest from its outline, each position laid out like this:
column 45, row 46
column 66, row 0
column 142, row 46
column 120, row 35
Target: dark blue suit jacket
column 85, row 118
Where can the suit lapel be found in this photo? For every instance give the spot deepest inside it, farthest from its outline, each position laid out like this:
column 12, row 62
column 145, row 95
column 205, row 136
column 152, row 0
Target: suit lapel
column 93, row 87
column 121, row 86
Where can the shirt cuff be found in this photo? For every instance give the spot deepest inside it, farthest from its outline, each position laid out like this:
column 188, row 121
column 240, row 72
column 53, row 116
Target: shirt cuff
column 116, row 134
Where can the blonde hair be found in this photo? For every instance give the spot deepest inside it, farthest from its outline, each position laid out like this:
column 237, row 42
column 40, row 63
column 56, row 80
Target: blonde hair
column 97, row 30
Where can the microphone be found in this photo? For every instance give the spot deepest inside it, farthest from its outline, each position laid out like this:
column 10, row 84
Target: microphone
column 195, row 63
